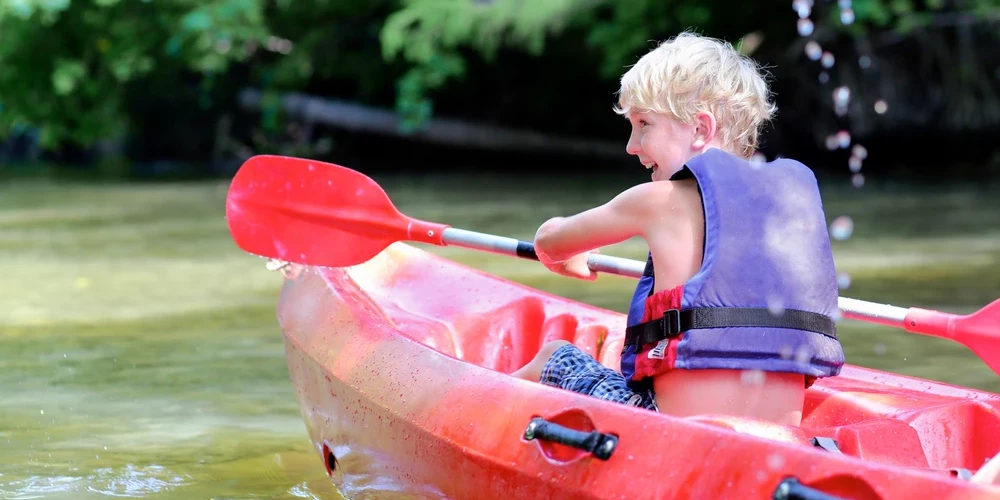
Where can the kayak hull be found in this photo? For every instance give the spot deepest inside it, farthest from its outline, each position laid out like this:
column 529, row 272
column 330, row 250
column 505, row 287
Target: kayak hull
column 400, row 369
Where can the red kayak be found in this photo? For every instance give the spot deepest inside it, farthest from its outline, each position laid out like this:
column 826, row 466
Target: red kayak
column 401, row 363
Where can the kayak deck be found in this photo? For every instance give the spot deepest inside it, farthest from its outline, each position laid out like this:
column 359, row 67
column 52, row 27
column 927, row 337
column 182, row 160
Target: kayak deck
column 400, row 370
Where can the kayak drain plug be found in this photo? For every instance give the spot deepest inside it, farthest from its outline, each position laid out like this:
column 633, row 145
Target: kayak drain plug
column 329, row 459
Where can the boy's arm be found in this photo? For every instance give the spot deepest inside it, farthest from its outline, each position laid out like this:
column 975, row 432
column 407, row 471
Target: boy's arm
column 625, row 216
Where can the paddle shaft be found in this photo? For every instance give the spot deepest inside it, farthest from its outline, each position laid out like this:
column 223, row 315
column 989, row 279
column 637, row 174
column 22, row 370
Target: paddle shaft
column 871, row 312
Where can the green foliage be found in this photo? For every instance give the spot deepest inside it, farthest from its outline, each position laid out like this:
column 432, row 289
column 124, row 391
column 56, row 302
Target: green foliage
column 70, row 67
column 430, row 33
column 63, row 63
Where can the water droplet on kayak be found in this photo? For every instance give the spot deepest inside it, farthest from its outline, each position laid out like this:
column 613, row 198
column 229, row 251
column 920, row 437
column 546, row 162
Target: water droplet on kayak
column 813, row 50
column 775, row 305
column 752, row 377
column 630, row 457
column 842, row 227
column 858, row 180
column 312, row 168
column 805, row 26
column 880, row 348
column 843, row 281
column 775, row 461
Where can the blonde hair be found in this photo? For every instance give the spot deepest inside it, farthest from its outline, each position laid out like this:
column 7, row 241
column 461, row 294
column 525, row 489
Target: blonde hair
column 689, row 74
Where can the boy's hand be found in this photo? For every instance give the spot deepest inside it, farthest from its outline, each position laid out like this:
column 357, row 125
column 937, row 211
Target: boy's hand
column 574, row 267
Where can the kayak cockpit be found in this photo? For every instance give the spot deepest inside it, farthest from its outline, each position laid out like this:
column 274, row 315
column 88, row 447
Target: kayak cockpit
column 499, row 325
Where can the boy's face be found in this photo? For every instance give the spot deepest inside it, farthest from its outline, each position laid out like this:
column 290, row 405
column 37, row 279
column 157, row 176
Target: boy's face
column 662, row 143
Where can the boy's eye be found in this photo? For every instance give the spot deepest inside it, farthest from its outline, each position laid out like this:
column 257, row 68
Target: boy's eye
column 643, row 123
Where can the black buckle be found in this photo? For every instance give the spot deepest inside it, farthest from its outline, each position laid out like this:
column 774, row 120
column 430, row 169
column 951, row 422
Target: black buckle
column 671, row 323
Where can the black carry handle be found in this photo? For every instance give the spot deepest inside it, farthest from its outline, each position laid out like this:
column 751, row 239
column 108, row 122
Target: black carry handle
column 791, row 489
column 600, row 445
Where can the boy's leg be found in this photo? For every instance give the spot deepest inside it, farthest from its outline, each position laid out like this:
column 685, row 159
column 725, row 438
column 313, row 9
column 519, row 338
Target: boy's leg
column 561, row 364
column 533, row 370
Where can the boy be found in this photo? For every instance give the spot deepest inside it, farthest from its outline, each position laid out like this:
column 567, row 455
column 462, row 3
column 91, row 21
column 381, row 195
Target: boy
column 737, row 315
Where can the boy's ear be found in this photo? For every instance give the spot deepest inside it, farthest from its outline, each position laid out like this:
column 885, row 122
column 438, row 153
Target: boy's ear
column 704, row 131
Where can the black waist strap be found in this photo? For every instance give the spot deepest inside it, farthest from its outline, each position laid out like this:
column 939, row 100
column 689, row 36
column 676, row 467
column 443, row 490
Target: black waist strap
column 675, row 321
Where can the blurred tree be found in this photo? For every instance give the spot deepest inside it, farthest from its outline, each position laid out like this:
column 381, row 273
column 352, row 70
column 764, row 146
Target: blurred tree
column 84, row 70
column 63, row 63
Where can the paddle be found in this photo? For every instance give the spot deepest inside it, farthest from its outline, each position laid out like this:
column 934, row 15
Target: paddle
column 321, row 214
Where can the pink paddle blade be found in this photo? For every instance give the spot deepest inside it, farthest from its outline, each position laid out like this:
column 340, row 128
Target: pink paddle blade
column 315, row 213
column 979, row 331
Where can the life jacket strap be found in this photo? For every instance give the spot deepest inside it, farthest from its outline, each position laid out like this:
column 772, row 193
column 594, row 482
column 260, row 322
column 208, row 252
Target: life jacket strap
column 676, row 321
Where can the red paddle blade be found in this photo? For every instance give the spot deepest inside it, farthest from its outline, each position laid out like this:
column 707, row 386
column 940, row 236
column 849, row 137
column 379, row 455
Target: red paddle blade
column 315, row 213
column 979, row 331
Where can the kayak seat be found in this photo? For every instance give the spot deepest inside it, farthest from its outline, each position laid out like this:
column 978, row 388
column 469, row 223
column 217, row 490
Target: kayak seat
column 507, row 337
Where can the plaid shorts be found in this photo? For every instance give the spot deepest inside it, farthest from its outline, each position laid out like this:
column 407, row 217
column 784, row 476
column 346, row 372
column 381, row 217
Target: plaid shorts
column 574, row 370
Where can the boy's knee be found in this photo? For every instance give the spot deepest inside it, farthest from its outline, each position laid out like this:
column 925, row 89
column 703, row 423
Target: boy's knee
column 551, row 347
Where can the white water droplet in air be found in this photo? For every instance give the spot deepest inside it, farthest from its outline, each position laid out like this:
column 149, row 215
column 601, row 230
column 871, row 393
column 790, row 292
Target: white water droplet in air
column 847, row 16
column 865, row 62
column 858, row 180
column 803, row 354
column 854, row 163
column 859, row 151
column 802, row 7
column 775, row 305
column 842, row 96
column 881, row 106
column 843, row 139
column 842, row 227
column 831, row 142
column 843, row 281
column 805, row 26
column 827, row 60
column 757, row 160
column 824, row 77
column 752, row 377
column 786, row 352
column 813, row 50
column 844, row 4
column 775, row 461
column 880, row 349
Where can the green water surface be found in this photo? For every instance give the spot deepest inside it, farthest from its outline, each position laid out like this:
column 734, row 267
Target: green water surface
column 140, row 355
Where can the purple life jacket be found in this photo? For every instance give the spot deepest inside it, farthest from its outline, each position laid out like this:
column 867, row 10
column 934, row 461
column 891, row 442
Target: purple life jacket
column 765, row 297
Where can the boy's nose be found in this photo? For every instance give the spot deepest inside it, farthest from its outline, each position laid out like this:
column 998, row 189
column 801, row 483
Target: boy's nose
column 632, row 147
